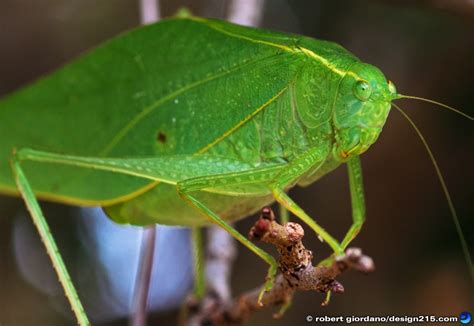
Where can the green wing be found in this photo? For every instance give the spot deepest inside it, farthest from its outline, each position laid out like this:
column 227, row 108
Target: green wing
column 175, row 87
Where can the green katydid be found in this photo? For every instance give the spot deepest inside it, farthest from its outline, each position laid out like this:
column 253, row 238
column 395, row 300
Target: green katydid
column 285, row 110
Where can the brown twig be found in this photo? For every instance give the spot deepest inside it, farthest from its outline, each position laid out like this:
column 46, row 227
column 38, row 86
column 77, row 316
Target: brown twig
column 297, row 274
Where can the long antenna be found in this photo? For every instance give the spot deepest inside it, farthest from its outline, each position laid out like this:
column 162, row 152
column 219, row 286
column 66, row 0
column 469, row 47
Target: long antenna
column 454, row 215
column 436, row 103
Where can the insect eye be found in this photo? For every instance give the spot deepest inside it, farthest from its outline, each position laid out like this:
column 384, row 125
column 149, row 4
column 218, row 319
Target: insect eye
column 362, row 90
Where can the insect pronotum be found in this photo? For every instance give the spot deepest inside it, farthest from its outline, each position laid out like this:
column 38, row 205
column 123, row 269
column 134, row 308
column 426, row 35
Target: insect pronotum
column 289, row 108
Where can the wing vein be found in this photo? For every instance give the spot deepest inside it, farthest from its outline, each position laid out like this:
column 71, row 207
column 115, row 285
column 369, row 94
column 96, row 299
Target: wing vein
column 241, row 37
column 121, row 134
column 243, row 121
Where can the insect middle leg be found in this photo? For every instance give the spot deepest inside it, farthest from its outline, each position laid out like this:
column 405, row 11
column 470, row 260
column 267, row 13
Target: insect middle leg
column 186, row 187
column 198, row 253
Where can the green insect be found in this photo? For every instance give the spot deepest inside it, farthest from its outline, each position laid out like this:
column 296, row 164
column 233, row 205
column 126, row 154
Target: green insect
column 193, row 122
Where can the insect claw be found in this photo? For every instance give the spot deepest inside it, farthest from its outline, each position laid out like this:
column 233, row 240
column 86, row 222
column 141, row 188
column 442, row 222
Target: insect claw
column 326, row 299
column 260, row 296
column 268, row 283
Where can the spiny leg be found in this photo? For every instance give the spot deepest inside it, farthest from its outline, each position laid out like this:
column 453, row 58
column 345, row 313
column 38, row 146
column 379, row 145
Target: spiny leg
column 358, row 214
column 312, row 159
column 48, row 240
column 214, row 218
column 283, row 199
column 112, row 165
column 259, row 252
column 199, row 274
column 357, row 200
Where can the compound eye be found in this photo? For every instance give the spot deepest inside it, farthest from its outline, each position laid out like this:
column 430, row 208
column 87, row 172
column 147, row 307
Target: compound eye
column 362, row 90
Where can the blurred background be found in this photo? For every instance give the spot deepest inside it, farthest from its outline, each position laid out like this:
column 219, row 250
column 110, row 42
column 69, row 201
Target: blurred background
column 425, row 47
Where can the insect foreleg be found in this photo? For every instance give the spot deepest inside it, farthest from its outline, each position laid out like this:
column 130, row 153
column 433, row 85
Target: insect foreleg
column 48, row 240
column 357, row 200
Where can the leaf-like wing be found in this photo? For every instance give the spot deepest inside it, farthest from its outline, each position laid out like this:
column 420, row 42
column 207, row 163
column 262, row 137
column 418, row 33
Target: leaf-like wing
column 174, row 87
